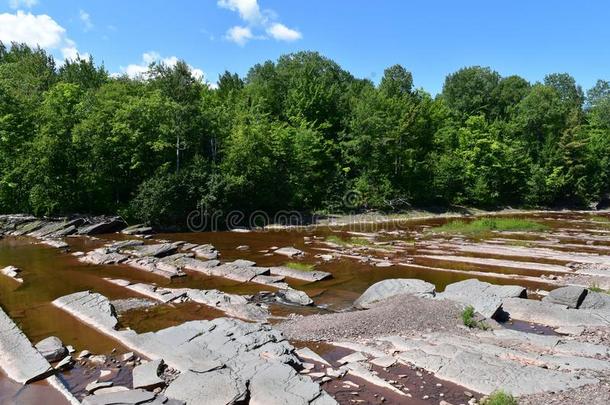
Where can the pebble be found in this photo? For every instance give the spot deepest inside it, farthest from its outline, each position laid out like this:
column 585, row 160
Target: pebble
column 468, row 394
column 84, row 353
column 127, row 356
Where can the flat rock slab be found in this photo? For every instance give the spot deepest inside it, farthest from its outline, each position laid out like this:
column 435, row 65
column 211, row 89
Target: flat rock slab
column 553, row 315
column 156, row 266
column 310, row 276
column 308, row 354
column 393, row 287
column 289, row 251
column 59, row 244
column 50, row 229
column 232, row 271
column 231, row 304
column 157, row 250
column 570, row 296
column 217, row 387
column 512, row 264
column 484, row 365
column 129, row 397
column 237, row 350
column 146, row 375
column 18, row 358
column 138, row 229
column 103, row 256
column 107, row 226
column 89, row 307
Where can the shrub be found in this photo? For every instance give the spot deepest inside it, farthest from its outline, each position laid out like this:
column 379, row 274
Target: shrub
column 468, row 318
column 499, row 398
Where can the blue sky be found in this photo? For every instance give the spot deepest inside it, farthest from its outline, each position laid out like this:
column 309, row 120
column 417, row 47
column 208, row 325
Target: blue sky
column 430, row 38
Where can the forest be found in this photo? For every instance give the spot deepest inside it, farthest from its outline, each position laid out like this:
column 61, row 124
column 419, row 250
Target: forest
column 298, row 133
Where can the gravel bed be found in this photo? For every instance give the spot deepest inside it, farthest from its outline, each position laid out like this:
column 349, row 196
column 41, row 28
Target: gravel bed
column 405, row 315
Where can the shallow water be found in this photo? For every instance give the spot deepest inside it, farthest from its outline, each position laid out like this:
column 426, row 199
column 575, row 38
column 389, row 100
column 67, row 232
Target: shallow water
column 50, row 273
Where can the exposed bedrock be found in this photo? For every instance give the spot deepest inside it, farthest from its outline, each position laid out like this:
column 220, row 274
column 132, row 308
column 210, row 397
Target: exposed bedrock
column 220, row 361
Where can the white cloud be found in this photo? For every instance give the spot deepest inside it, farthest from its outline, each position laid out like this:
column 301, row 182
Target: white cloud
column 36, row 30
column 239, row 35
column 248, row 9
column 15, row 4
column 255, row 18
column 282, row 33
column 139, row 71
column 86, row 19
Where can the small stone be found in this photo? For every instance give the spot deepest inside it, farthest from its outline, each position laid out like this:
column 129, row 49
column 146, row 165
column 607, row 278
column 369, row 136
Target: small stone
column 96, row 385
column 316, row 375
column 111, row 390
column 98, row 358
column 468, row 394
column 51, row 348
column 127, row 356
column 64, row 363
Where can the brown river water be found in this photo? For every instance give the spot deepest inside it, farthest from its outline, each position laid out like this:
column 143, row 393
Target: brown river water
column 50, row 273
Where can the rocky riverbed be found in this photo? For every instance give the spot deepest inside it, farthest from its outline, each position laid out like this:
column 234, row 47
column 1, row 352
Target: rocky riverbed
column 97, row 312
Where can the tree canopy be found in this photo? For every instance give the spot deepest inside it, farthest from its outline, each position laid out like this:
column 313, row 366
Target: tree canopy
column 297, row 133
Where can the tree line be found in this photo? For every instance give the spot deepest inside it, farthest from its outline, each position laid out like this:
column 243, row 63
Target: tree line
column 296, row 133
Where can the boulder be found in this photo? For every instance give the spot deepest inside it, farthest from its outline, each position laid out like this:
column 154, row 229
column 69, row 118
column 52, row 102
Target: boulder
column 596, row 300
column 486, row 298
column 570, row 296
column 293, row 296
column 289, row 251
column 147, row 375
column 52, row 348
column 392, row 287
